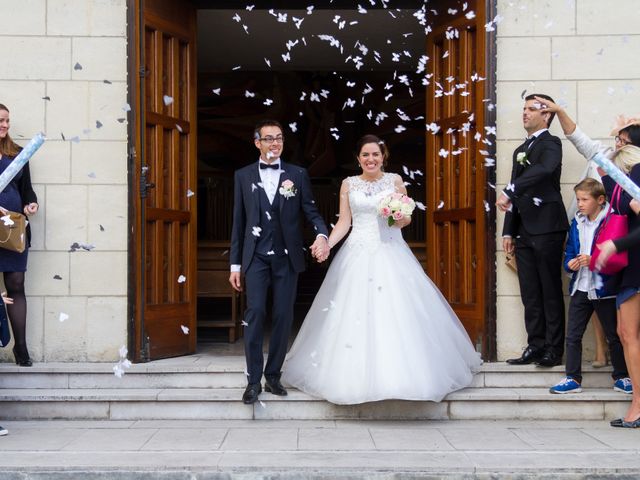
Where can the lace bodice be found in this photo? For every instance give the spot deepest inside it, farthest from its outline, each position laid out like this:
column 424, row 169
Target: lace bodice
column 368, row 228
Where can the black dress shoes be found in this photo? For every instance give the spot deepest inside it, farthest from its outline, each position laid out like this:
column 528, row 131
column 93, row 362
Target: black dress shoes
column 251, row 393
column 549, row 359
column 529, row 355
column 21, row 355
column 275, row 387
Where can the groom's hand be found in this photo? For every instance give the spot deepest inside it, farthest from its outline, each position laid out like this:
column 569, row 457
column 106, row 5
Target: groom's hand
column 320, row 249
column 235, row 281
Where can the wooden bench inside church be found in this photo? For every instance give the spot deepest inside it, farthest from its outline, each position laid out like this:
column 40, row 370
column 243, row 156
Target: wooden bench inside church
column 213, row 283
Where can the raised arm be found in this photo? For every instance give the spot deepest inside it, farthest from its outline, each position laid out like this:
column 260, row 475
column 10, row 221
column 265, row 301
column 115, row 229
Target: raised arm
column 583, row 143
column 344, row 220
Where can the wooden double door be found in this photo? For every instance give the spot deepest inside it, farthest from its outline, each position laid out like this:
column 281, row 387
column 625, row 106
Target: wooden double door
column 460, row 238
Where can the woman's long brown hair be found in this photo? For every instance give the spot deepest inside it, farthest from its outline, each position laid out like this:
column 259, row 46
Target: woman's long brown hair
column 7, row 145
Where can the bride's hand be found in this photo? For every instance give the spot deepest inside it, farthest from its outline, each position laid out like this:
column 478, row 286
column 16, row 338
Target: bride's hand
column 403, row 222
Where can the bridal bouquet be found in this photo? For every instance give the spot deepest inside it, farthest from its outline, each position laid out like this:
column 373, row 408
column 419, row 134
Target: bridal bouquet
column 396, row 207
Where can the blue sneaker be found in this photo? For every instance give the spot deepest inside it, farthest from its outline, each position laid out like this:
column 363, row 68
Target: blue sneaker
column 623, row 385
column 566, row 385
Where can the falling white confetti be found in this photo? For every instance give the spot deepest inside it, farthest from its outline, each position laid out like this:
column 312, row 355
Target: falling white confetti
column 185, row 330
column 421, row 206
column 182, row 279
column 440, row 205
column 167, row 100
column 249, row 94
column 216, row 91
column 294, row 127
column 63, row 316
column 486, row 206
column 537, row 201
column 190, row 193
column 256, row 231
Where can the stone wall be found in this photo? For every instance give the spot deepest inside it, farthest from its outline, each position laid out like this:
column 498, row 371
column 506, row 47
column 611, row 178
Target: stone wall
column 581, row 52
column 74, row 53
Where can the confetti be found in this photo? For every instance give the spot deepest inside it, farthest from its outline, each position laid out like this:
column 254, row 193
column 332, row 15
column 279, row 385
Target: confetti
column 256, row 231
column 185, row 330
column 216, row 91
column 294, row 127
column 167, row 100
column 537, row 201
column 440, row 205
column 182, row 279
column 63, row 316
column 77, row 66
column 190, row 193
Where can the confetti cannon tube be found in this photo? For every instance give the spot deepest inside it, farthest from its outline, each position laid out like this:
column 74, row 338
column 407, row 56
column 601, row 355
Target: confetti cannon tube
column 615, row 173
column 21, row 159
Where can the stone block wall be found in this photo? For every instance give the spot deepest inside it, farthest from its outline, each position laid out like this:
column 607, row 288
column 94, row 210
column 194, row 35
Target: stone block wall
column 581, row 53
column 72, row 52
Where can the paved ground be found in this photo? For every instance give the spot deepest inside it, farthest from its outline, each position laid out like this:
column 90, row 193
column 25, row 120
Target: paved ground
column 316, row 449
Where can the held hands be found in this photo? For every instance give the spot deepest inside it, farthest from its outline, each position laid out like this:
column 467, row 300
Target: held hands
column 320, row 249
column 607, row 249
column 580, row 261
column 30, row 209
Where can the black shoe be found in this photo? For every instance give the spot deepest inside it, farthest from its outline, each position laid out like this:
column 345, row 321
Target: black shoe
column 549, row 359
column 22, row 356
column 529, row 355
column 251, row 393
column 623, row 424
column 275, row 387
column 617, row 422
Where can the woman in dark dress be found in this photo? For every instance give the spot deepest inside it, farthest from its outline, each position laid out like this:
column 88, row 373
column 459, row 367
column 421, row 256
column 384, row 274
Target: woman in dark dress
column 18, row 196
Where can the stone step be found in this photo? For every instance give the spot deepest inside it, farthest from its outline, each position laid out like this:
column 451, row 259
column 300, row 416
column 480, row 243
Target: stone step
column 228, row 372
column 224, row 403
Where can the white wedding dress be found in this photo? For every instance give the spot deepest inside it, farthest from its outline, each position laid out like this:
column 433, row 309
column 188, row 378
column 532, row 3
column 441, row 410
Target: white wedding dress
column 378, row 327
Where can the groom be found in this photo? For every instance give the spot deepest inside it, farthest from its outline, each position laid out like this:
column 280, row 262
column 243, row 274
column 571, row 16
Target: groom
column 535, row 226
column 270, row 199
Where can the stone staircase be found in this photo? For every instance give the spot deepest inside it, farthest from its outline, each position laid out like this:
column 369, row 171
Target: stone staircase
column 210, row 387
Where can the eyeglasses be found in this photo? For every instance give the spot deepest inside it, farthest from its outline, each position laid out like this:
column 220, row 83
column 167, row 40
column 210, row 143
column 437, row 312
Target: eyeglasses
column 621, row 140
column 269, row 139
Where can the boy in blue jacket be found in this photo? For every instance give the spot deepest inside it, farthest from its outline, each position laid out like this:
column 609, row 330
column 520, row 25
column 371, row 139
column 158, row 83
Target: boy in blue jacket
column 587, row 290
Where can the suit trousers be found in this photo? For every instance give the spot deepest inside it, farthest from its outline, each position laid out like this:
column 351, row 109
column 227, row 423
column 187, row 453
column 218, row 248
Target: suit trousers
column 580, row 311
column 266, row 271
column 539, row 261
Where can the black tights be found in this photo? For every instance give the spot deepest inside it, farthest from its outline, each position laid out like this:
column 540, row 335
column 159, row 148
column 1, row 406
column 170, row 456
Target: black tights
column 14, row 281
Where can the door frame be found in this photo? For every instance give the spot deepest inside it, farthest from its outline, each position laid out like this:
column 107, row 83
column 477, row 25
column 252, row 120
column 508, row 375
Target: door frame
column 137, row 346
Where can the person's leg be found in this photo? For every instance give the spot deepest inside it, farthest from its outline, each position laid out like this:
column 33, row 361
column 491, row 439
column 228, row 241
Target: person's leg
column 629, row 332
column 257, row 281
column 530, row 293
column 600, row 359
column 17, row 311
column 580, row 310
column 548, row 251
column 607, row 313
column 284, row 280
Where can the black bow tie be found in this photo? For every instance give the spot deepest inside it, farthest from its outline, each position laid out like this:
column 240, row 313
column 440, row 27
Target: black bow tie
column 264, row 166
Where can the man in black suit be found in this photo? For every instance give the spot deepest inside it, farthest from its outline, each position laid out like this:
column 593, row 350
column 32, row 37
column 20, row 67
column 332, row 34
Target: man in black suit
column 535, row 226
column 270, row 199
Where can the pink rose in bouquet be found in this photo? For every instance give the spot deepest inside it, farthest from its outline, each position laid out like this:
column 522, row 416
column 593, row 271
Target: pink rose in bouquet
column 395, row 207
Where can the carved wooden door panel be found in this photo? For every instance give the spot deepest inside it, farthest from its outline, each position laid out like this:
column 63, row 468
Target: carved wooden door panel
column 166, row 213
column 457, row 195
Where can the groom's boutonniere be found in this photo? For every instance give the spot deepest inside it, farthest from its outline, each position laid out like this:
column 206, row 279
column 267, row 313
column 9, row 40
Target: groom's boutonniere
column 521, row 158
column 288, row 189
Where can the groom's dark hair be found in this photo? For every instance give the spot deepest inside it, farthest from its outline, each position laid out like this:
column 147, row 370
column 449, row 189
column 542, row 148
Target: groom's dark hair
column 266, row 123
column 542, row 95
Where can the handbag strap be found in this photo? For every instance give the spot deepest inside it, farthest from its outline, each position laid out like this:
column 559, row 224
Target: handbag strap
column 615, row 197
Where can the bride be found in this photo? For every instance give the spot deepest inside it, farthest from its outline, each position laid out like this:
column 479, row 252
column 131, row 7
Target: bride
column 378, row 327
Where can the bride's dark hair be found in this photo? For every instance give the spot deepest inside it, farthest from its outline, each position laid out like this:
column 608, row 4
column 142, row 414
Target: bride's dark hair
column 370, row 138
